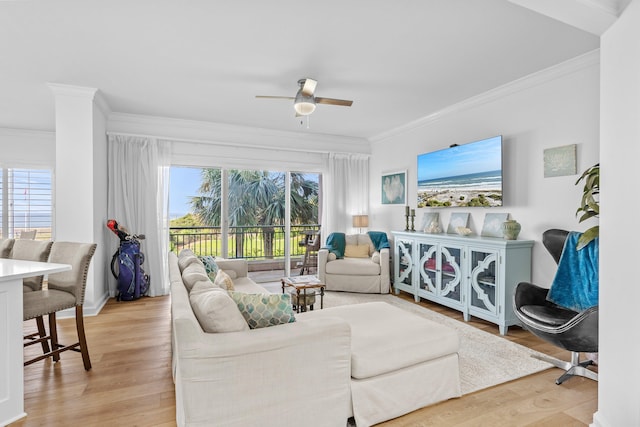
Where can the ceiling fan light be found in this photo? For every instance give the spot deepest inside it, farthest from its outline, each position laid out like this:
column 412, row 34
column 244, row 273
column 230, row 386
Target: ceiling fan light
column 304, row 105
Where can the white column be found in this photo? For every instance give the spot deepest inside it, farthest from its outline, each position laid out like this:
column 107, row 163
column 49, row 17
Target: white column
column 619, row 381
column 81, row 179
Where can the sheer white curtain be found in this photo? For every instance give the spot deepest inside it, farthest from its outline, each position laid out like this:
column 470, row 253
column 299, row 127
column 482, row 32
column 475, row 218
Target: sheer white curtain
column 345, row 191
column 138, row 195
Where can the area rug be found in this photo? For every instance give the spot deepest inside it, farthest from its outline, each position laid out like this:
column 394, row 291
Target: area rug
column 485, row 360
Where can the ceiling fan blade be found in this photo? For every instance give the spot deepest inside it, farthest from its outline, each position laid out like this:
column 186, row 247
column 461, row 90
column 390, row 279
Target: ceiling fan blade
column 274, row 97
column 333, row 101
column 309, row 87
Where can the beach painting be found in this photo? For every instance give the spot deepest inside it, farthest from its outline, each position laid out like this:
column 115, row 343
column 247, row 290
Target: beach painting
column 394, row 188
column 466, row 175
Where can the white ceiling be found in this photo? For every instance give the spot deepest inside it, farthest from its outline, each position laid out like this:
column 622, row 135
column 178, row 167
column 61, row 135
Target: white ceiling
column 206, row 60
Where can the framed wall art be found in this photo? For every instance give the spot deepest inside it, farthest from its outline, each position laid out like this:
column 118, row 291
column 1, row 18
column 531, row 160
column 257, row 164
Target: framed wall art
column 394, row 188
column 560, row 161
column 458, row 219
column 492, row 226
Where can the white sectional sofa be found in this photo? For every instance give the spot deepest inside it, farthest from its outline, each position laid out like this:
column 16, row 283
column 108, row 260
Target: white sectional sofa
column 371, row 361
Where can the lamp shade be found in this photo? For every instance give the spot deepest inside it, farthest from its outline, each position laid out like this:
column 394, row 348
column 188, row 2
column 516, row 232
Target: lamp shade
column 360, row 221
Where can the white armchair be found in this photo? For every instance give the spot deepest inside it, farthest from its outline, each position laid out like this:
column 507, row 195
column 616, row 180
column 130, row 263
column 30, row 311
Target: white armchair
column 363, row 269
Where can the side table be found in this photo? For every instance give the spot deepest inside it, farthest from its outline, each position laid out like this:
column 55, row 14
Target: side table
column 306, row 288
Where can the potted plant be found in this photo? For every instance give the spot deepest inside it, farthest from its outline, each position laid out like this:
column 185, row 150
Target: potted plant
column 590, row 203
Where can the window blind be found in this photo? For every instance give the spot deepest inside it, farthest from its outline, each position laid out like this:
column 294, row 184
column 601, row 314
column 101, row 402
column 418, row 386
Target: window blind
column 26, row 202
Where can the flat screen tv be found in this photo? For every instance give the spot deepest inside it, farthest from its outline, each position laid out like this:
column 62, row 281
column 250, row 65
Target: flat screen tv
column 462, row 175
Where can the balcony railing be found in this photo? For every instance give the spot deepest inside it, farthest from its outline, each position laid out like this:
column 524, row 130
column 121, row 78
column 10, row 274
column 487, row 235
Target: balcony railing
column 250, row 242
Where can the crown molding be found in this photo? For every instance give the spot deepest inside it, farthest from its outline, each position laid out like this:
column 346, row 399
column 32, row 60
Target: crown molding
column 26, row 133
column 592, row 16
column 532, row 80
column 89, row 93
column 102, row 104
column 226, row 134
column 71, row 90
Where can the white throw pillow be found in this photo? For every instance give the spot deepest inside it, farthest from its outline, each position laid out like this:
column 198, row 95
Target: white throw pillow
column 217, row 312
column 193, row 273
column 376, row 257
column 331, row 256
column 224, row 281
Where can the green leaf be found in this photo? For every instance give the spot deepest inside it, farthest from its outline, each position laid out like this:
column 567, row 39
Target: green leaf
column 588, row 236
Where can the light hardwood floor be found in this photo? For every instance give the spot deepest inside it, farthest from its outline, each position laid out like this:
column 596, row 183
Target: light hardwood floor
column 131, row 385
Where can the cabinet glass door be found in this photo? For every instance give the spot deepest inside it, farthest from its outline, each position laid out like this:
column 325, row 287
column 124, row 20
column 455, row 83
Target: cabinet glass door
column 405, row 262
column 451, row 275
column 428, row 267
column 483, row 280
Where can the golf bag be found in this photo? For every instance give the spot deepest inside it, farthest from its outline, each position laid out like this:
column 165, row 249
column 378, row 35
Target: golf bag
column 126, row 264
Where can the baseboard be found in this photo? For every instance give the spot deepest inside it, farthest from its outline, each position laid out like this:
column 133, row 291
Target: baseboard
column 87, row 310
column 598, row 421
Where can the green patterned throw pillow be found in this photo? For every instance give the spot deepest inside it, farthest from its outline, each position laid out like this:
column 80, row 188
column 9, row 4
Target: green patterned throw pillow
column 210, row 266
column 263, row 310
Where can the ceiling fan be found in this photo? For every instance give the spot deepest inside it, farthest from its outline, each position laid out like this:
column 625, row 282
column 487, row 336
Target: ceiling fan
column 305, row 102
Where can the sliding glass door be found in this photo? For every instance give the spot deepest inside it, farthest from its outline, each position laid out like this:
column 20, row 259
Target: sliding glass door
column 263, row 216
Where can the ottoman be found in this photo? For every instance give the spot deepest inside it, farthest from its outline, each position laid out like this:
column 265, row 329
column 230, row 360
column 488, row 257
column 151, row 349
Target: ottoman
column 305, row 300
column 400, row 361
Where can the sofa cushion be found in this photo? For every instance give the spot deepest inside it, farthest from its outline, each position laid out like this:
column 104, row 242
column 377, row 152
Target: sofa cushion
column 263, row 310
column 193, row 273
column 224, row 281
column 216, row 311
column 204, row 286
column 185, row 252
column 247, row 286
column 210, row 266
column 356, row 251
column 385, row 338
column 187, row 260
column 353, row 267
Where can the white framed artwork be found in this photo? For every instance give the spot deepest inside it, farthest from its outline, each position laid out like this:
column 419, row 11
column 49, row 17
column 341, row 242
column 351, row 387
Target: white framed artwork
column 492, row 226
column 458, row 219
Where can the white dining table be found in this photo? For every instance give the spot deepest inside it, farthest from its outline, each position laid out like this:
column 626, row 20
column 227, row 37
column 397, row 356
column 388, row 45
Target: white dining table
column 12, row 272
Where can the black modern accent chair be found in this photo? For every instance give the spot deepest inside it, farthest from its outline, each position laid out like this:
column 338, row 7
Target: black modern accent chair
column 573, row 331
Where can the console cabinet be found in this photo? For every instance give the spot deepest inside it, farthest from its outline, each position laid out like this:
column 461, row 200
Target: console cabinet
column 475, row 275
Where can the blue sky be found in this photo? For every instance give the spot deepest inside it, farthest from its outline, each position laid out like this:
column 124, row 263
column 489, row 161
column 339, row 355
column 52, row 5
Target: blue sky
column 183, row 185
column 480, row 156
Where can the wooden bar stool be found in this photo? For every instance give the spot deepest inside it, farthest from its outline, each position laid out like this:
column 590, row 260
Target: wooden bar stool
column 64, row 290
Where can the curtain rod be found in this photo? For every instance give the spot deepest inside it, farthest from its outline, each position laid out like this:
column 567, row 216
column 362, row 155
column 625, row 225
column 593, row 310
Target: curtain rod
column 230, row 144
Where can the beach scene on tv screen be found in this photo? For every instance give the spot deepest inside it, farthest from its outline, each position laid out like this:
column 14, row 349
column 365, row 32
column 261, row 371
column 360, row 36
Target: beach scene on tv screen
column 465, row 175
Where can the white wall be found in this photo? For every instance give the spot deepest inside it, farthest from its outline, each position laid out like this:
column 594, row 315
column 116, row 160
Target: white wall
column 619, row 381
column 552, row 108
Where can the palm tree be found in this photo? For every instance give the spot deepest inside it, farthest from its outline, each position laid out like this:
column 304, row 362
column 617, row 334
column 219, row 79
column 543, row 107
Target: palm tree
column 255, row 198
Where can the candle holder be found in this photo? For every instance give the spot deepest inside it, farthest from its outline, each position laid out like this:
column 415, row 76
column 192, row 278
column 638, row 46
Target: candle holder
column 413, row 217
column 406, row 218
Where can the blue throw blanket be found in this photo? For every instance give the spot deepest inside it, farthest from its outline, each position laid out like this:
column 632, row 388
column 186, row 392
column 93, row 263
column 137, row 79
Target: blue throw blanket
column 576, row 283
column 336, row 244
column 379, row 239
